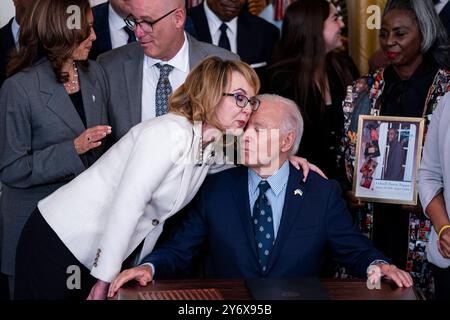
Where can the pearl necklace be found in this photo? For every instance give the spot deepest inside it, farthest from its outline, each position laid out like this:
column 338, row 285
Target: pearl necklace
column 73, row 86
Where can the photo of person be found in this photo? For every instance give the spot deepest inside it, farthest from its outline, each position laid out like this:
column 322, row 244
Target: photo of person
column 388, row 153
column 394, row 169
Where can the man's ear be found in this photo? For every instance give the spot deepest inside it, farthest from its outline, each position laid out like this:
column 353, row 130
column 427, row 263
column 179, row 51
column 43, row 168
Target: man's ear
column 180, row 17
column 287, row 142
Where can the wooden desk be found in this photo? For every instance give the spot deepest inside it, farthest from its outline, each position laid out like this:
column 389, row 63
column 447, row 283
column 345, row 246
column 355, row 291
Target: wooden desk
column 237, row 290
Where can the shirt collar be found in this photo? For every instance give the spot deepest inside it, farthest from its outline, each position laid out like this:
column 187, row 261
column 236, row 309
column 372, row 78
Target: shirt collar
column 277, row 181
column 180, row 61
column 15, row 28
column 214, row 21
column 439, row 6
column 115, row 21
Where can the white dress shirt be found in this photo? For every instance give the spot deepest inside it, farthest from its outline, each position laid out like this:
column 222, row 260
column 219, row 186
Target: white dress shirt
column 116, row 24
column 151, row 76
column 15, row 28
column 214, row 24
column 441, row 5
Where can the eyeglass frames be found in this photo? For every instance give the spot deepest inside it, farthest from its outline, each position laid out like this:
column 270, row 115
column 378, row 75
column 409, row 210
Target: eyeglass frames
column 242, row 101
column 146, row 25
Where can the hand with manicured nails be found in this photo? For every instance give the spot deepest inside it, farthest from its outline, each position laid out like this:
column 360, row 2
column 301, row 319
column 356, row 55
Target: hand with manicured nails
column 90, row 138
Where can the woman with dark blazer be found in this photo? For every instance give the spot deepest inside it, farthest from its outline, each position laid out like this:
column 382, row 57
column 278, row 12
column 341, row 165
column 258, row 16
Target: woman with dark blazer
column 307, row 69
column 53, row 117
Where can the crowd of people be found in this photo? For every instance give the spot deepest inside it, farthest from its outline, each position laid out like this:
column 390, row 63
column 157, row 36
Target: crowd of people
column 110, row 129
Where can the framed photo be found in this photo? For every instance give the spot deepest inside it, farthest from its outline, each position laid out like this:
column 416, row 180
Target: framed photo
column 387, row 159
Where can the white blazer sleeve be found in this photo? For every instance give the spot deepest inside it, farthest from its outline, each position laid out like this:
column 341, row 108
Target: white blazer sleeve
column 150, row 160
column 430, row 175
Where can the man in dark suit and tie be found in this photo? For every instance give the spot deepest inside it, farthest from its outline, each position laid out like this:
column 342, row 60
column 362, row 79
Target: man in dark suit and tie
column 263, row 221
column 110, row 27
column 224, row 23
column 141, row 76
column 9, row 35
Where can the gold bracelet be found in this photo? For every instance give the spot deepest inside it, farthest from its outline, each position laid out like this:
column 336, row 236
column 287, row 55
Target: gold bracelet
column 447, row 226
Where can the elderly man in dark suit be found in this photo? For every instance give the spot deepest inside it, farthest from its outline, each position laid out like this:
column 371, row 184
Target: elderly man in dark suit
column 263, row 221
column 141, row 76
column 226, row 24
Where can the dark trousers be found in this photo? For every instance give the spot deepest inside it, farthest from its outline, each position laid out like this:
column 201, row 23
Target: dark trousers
column 45, row 268
column 441, row 282
column 390, row 232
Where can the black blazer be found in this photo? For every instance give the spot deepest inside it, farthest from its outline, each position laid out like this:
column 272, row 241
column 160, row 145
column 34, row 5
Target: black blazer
column 445, row 17
column 6, row 46
column 256, row 37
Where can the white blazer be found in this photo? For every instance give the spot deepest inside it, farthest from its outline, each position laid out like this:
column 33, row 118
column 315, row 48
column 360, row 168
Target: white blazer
column 146, row 177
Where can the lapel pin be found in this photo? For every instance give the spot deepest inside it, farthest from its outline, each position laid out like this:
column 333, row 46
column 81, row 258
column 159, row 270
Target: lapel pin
column 93, row 98
column 298, row 192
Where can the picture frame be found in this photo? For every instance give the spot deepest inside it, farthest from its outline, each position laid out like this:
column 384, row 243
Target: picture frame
column 388, row 154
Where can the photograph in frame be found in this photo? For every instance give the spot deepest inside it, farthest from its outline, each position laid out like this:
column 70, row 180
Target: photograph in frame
column 388, row 154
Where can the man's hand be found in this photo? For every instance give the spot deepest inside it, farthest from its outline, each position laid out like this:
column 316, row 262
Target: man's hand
column 400, row 277
column 98, row 291
column 143, row 274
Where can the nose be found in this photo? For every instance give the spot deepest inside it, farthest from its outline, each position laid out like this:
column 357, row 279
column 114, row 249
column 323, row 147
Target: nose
column 341, row 24
column 390, row 40
column 247, row 109
column 138, row 32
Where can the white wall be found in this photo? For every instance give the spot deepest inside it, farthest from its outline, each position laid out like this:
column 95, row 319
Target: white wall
column 7, row 10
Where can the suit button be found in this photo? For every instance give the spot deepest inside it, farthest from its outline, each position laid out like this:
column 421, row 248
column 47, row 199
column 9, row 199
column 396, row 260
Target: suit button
column 155, row 222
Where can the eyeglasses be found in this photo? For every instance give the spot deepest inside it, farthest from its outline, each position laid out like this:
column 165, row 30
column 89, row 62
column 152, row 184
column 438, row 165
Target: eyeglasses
column 146, row 26
column 242, row 101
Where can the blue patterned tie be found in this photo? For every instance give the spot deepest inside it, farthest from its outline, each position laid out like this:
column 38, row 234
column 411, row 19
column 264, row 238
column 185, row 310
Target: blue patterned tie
column 263, row 225
column 163, row 89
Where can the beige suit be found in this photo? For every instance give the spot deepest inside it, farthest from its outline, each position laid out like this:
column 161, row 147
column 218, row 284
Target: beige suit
column 126, row 196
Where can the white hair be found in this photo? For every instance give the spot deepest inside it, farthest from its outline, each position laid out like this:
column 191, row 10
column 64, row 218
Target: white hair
column 292, row 120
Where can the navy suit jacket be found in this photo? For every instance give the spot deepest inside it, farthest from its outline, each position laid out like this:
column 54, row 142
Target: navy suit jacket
column 219, row 222
column 6, row 46
column 256, row 38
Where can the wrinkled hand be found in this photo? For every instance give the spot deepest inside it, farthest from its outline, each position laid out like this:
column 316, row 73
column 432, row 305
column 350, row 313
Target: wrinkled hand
column 90, row 138
column 443, row 244
column 99, row 291
column 400, row 277
column 298, row 162
column 353, row 202
column 142, row 274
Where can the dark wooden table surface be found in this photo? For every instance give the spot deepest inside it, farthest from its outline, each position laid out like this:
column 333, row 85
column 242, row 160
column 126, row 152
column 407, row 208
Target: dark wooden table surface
column 237, row 290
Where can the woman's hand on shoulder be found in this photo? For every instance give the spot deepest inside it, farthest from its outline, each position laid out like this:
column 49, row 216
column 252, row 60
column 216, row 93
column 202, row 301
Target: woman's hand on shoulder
column 302, row 163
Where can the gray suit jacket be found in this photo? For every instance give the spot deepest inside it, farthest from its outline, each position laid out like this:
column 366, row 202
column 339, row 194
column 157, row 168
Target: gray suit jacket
column 124, row 71
column 38, row 124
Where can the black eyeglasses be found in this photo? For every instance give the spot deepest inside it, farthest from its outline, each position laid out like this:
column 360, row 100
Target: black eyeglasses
column 146, row 26
column 242, row 101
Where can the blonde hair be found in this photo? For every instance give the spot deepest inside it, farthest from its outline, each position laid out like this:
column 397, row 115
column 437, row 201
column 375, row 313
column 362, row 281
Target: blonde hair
column 203, row 89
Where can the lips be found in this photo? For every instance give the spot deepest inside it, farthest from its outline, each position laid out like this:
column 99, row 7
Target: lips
column 392, row 55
